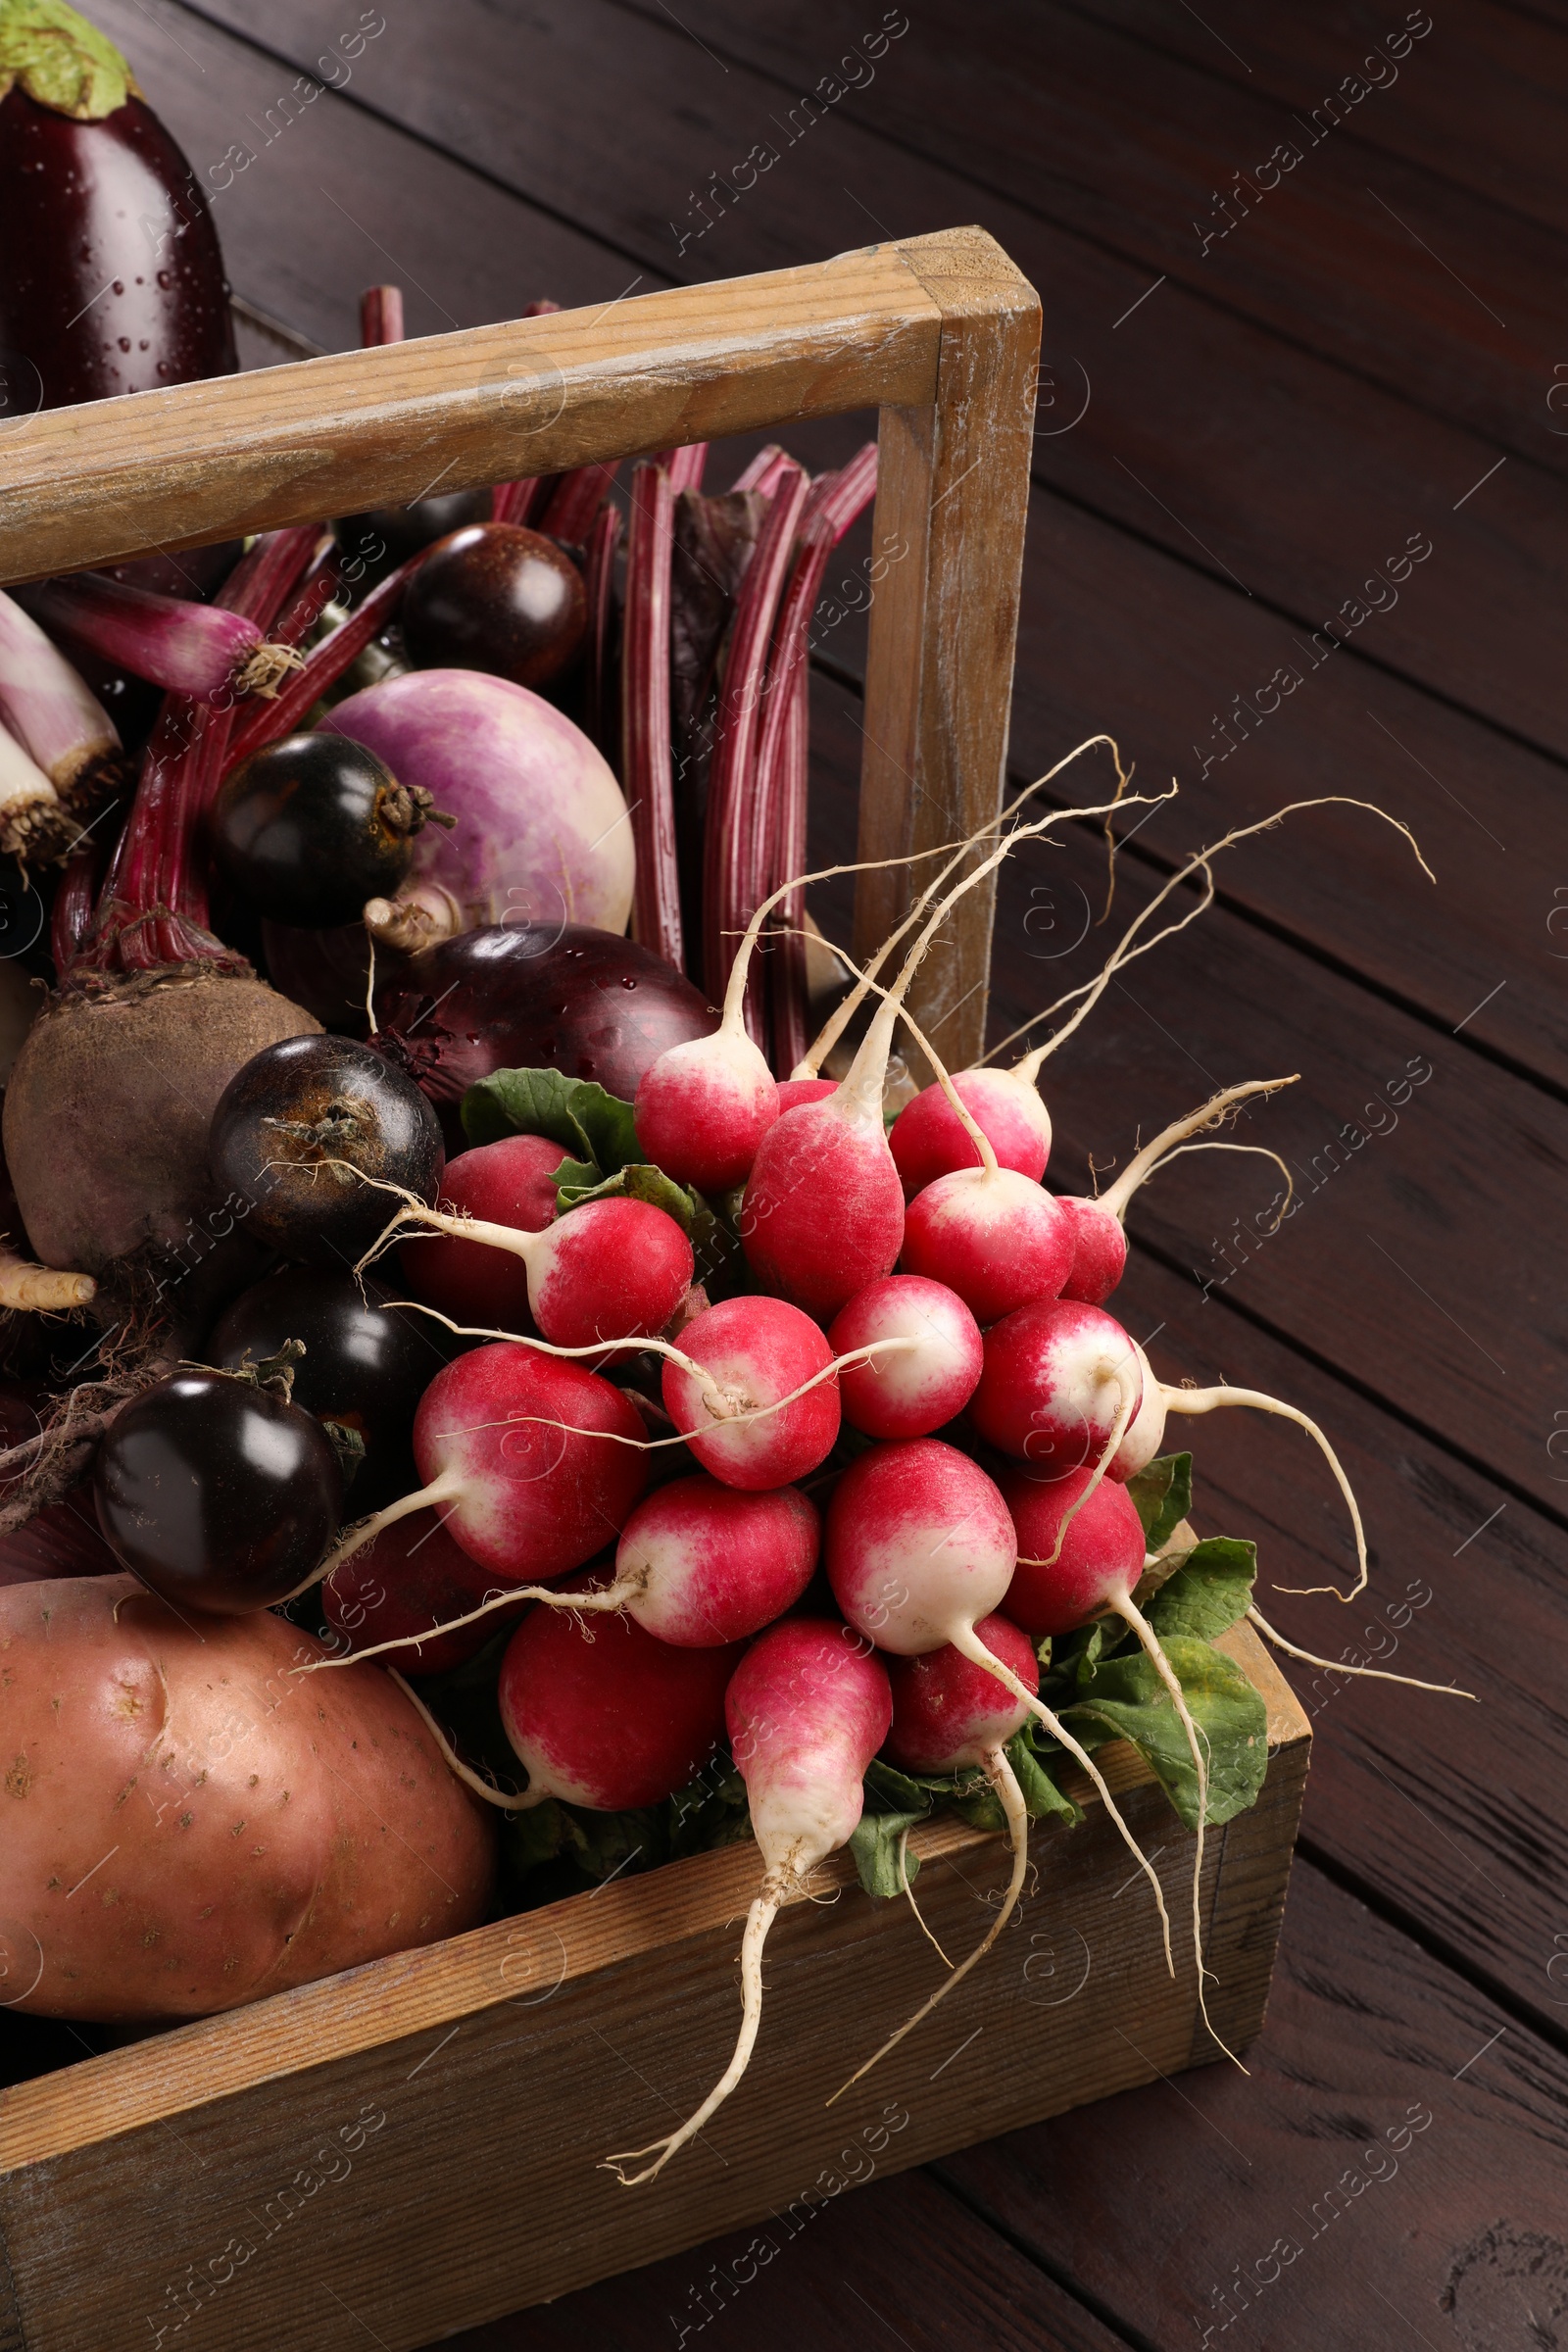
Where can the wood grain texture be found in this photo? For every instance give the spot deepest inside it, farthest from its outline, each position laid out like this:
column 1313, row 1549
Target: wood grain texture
column 904, row 2262
column 1406, row 2139
column 161, row 2155
column 206, row 461
column 952, row 500
column 1247, row 439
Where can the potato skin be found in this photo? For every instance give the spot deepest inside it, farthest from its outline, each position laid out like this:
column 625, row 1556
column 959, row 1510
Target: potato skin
column 186, row 1825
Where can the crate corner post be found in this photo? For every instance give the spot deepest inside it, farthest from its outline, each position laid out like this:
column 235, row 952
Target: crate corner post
column 951, row 509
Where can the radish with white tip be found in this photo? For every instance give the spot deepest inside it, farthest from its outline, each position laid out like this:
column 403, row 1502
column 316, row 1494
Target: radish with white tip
column 806, row 1711
column 906, row 1393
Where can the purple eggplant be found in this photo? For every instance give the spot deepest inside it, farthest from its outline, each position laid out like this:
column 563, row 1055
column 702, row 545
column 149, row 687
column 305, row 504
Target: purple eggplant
column 111, row 278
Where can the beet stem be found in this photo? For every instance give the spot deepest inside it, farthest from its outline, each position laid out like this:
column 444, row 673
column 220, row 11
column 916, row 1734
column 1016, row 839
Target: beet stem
column 645, row 681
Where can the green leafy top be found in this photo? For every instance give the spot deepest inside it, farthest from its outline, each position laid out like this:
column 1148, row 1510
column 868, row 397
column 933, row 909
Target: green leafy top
column 595, row 1127
column 62, row 60
column 1162, row 1495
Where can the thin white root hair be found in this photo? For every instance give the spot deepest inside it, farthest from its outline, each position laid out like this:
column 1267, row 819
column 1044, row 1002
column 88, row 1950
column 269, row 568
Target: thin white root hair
column 836, row 1022
column 759, row 1920
column 455, row 1764
column 919, row 1915
column 1212, row 1113
column 1130, row 1613
column 1127, row 951
column 1205, row 1400
column 1004, row 1781
column 1377, row 1674
column 970, row 1643
column 614, row 1597
column 1199, row 859
column 1263, row 1153
column 352, row 1539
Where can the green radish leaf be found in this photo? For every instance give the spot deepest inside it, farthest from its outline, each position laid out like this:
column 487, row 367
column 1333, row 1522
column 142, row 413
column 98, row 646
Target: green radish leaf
column 894, row 1791
column 1162, row 1495
column 575, row 1112
column 637, row 1182
column 1207, row 1591
column 876, row 1849
column 1125, row 1698
column 1042, row 1799
column 710, row 1812
column 536, row 1836
column 610, row 1842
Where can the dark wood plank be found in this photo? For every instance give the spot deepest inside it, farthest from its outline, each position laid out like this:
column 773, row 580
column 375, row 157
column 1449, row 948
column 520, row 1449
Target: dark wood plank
column 1401, row 2135
column 900, row 2262
column 1404, row 1267
column 1060, row 112
column 1247, row 456
column 334, row 200
column 1485, row 104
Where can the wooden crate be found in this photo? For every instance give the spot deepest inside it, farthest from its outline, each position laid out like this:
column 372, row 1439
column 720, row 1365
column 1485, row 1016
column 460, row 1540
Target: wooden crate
column 412, row 2149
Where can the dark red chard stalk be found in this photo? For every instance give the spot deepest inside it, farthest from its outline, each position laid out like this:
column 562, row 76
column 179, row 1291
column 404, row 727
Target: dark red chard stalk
column 573, row 504
column 111, row 279
column 836, row 501
column 74, row 900
column 602, row 721
column 684, row 467
column 763, row 464
column 321, row 582
column 645, row 703
column 715, row 541
column 380, row 317
column 728, row 855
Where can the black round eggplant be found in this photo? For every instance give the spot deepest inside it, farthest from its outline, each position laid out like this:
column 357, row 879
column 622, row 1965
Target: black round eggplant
column 217, row 1493
column 307, row 829
column 498, row 598
column 111, row 278
column 302, row 1125
column 366, row 1363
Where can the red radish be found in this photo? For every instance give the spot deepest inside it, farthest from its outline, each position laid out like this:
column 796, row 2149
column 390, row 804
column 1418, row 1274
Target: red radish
column 792, row 1090
column 755, row 1351
column 1061, row 1384
column 404, row 1589
column 906, row 1394
column 929, row 1140
column 705, row 1563
column 699, row 1564
column 705, row 1106
column 1080, row 1549
column 605, row 1715
column 1099, row 1244
column 806, row 1711
column 995, row 1237
column 540, row 1462
column 823, row 1214
column 507, row 1183
column 918, row 1546
column 1142, row 1437
column 948, row 1713
column 201, row 650
column 614, row 1269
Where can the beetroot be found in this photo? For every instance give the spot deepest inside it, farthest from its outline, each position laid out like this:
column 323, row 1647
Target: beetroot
column 532, row 996
column 111, row 279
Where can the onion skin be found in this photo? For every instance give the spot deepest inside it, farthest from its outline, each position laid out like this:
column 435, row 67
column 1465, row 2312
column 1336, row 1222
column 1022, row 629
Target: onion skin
column 74, row 196
column 532, row 996
column 541, row 836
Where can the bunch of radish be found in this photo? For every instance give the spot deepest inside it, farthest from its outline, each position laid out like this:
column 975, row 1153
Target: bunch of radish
column 712, row 1427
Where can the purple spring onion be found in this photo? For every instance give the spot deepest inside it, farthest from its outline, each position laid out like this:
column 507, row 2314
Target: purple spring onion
column 202, row 651
column 62, row 732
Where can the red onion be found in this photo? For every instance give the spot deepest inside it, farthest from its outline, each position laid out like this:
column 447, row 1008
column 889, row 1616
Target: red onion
column 63, row 731
column 213, row 655
column 541, row 834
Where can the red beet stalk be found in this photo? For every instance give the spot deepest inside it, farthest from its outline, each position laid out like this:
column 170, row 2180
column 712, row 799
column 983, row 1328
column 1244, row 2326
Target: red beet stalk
column 323, row 666
column 751, row 478
column 574, row 503
column 684, row 467
column 380, row 317
column 598, row 576
column 645, row 771
column 728, row 859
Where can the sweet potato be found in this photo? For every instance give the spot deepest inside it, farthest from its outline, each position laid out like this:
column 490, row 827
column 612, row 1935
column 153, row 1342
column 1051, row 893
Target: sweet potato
column 186, row 1825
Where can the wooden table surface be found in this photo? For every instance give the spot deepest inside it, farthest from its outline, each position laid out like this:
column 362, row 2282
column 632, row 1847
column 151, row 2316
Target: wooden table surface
column 1305, row 357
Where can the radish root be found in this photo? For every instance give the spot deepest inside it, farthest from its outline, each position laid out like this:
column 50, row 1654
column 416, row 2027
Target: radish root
column 1166, row 1144
column 970, row 1643
column 1378, row 1674
column 759, row 1918
column 1205, row 1400
column 1130, row 1613
column 919, row 1916
column 466, row 1772
column 1004, row 1781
